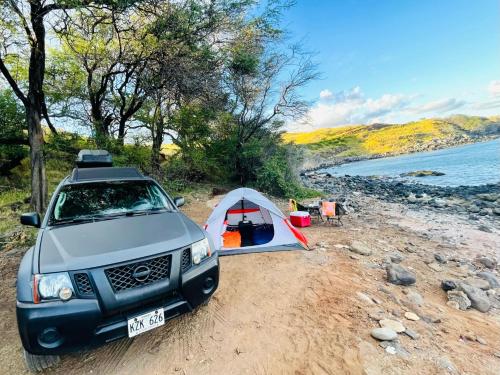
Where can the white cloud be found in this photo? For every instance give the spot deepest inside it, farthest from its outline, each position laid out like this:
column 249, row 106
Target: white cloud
column 440, row 106
column 349, row 107
column 494, row 88
column 353, row 107
column 325, row 94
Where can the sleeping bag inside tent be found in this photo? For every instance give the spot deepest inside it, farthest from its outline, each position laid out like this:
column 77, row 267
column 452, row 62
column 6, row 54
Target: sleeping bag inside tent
column 245, row 221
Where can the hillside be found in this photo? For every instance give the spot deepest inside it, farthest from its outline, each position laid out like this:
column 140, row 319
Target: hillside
column 392, row 139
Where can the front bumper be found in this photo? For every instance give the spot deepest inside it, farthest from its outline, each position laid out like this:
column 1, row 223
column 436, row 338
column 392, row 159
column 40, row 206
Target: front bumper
column 53, row 328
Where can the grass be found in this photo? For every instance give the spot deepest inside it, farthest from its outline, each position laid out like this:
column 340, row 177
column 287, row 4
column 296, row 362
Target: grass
column 361, row 140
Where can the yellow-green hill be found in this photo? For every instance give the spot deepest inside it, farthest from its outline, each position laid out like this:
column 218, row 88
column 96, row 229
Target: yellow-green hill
column 388, row 139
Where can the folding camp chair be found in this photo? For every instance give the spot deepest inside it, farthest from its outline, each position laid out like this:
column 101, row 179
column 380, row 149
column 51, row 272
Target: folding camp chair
column 332, row 211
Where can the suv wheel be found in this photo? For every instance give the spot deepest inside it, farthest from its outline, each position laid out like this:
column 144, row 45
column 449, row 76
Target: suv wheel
column 36, row 363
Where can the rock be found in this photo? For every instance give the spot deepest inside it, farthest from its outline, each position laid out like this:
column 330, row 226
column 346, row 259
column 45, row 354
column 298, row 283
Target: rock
column 445, row 363
column 453, row 305
column 447, row 285
column 488, row 262
column 376, row 315
column 392, row 324
column 396, row 257
column 435, row 267
column 460, row 298
column 485, row 212
column 415, row 298
column 478, row 298
column 480, row 340
column 394, row 347
column 478, row 283
column 364, row 298
column 422, row 173
column 496, row 211
column 397, row 274
column 412, row 334
column 360, row 248
column 440, row 258
column 490, row 277
column 474, row 209
column 484, row 228
column 390, row 350
column 384, row 334
column 411, row 316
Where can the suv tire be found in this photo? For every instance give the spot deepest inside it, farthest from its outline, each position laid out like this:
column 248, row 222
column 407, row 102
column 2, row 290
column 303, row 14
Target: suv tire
column 37, row 363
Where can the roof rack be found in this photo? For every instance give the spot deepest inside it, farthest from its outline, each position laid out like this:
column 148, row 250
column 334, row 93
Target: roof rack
column 94, row 159
column 104, row 173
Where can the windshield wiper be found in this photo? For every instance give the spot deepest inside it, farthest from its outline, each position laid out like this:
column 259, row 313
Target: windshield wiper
column 156, row 210
column 72, row 221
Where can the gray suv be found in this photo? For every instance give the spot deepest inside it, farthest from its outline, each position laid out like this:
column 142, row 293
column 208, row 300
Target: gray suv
column 114, row 257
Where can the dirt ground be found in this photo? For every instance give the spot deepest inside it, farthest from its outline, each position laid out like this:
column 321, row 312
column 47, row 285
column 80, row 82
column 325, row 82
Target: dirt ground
column 308, row 312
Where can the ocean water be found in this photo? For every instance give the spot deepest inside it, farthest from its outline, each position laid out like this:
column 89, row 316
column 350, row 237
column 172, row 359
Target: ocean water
column 474, row 164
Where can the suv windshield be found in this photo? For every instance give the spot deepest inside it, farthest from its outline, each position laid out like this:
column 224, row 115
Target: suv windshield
column 102, row 200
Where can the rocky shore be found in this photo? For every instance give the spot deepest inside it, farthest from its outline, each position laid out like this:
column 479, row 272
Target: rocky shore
column 316, row 161
column 474, row 202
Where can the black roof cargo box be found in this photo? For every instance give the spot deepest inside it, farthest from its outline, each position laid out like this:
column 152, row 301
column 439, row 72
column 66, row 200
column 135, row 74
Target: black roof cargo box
column 94, row 159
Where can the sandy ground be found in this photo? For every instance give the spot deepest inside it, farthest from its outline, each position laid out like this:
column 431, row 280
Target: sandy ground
column 308, row 312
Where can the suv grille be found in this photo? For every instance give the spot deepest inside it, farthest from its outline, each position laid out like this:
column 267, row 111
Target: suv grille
column 83, row 284
column 186, row 259
column 135, row 274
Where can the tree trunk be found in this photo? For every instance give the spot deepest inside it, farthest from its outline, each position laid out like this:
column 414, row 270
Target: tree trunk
column 39, row 194
column 157, row 135
column 121, row 131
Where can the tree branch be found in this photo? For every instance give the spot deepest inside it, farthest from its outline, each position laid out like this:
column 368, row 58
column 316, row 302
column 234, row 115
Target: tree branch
column 13, row 83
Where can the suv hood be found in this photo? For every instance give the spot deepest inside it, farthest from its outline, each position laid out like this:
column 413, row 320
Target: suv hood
column 101, row 243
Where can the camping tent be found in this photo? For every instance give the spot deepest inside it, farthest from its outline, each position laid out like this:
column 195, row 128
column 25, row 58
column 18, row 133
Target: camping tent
column 270, row 229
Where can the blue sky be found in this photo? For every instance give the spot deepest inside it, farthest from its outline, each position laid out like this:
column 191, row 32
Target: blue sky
column 399, row 60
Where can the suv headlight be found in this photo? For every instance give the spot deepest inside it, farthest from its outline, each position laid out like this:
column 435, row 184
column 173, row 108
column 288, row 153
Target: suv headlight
column 200, row 250
column 52, row 286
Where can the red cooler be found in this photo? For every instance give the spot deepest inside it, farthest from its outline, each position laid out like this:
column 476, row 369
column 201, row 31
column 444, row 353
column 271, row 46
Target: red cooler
column 300, row 219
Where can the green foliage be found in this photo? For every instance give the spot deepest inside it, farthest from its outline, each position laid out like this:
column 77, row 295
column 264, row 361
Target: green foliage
column 277, row 177
column 12, row 128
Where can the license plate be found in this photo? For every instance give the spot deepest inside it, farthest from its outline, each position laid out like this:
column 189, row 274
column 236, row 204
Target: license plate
column 145, row 322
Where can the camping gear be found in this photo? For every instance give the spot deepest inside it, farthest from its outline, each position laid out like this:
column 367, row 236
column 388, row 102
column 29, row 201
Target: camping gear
column 313, row 209
column 263, row 234
column 333, row 211
column 300, row 219
column 268, row 224
column 246, row 230
column 231, row 239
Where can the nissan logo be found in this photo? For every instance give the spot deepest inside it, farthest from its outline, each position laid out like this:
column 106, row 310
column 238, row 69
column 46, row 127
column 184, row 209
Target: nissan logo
column 141, row 273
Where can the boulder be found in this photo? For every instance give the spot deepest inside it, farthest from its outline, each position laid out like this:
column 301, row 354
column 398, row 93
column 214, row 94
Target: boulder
column 488, row 262
column 397, row 274
column 384, row 334
column 415, row 298
column 360, row 248
column 393, row 325
column 478, row 283
column 447, row 285
column 490, row 277
column 460, row 298
column 411, row 316
column 478, row 298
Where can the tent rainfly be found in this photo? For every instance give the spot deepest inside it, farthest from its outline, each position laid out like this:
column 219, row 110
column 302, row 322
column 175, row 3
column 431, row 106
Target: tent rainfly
column 245, row 221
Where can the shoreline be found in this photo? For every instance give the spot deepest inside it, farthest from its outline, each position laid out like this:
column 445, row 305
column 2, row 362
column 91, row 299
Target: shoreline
column 479, row 204
column 337, row 161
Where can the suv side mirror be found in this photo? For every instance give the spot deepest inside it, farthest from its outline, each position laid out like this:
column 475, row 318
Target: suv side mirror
column 179, row 201
column 31, row 219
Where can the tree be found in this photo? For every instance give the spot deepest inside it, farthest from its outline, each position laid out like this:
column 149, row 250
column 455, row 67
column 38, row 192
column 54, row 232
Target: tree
column 13, row 140
column 23, row 36
column 263, row 80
